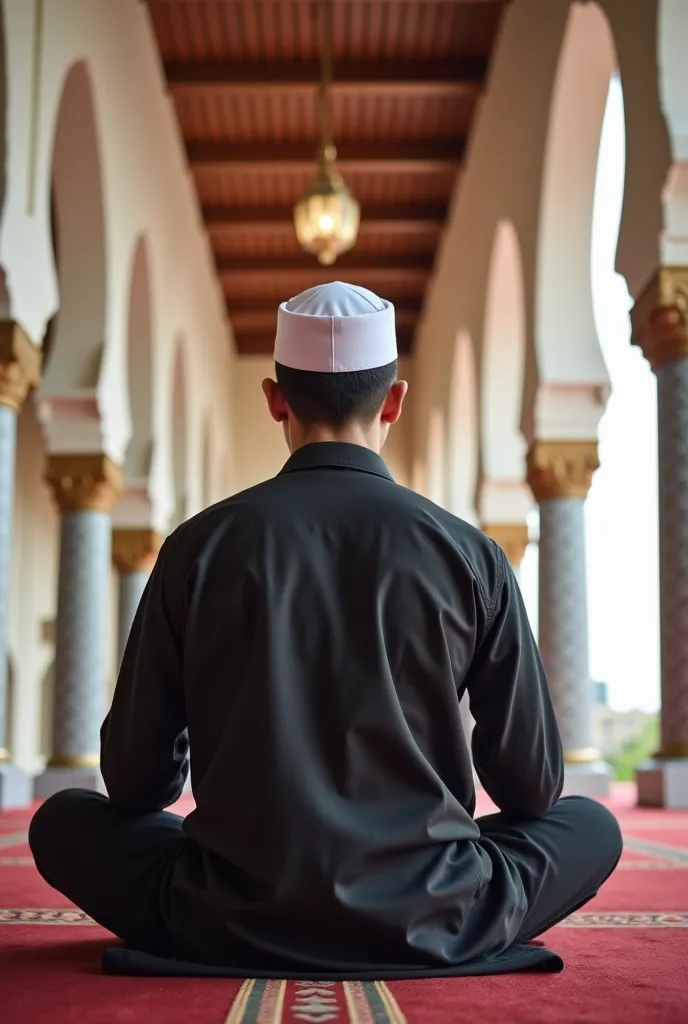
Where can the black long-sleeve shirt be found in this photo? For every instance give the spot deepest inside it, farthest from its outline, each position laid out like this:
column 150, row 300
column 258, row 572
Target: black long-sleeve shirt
column 312, row 637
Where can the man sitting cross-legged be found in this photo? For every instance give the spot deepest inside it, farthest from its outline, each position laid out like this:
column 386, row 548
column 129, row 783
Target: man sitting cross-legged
column 309, row 641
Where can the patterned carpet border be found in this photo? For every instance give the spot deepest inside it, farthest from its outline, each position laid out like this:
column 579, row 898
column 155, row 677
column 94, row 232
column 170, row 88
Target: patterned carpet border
column 624, row 919
column 288, row 1002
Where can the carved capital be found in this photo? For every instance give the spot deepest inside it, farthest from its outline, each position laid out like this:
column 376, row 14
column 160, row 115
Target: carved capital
column 659, row 319
column 512, row 538
column 135, row 550
column 84, row 482
column 581, row 755
column 20, row 365
column 672, row 750
column 561, row 469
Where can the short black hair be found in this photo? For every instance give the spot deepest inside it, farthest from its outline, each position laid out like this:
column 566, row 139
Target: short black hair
column 335, row 399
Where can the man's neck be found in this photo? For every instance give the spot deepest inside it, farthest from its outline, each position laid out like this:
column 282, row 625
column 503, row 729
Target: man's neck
column 366, row 437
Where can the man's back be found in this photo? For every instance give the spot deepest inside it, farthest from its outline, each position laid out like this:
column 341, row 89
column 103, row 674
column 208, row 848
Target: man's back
column 328, row 623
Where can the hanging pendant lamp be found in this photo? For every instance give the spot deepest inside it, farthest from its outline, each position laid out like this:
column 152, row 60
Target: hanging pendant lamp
column 327, row 216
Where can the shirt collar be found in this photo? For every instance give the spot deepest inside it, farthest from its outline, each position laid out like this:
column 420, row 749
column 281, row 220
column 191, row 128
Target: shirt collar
column 336, row 455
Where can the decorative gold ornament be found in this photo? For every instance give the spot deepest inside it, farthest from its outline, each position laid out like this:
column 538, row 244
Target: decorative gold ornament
column 512, row 538
column 659, row 319
column 89, row 482
column 327, row 217
column 135, row 550
column 76, row 761
column 672, row 749
column 20, row 365
column 561, row 469
column 581, row 755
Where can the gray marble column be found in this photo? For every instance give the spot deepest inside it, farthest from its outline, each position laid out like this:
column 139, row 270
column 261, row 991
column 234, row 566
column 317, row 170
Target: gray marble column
column 131, row 587
column 663, row 781
column 563, row 619
column 20, row 362
column 85, row 489
column 672, row 411
column 560, row 476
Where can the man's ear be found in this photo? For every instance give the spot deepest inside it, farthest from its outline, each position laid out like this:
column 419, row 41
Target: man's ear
column 276, row 401
column 391, row 409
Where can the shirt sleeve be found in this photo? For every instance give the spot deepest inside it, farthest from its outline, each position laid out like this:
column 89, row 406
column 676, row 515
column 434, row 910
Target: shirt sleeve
column 144, row 744
column 517, row 749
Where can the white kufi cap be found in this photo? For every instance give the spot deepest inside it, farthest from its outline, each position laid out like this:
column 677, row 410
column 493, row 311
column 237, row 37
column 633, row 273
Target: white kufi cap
column 335, row 328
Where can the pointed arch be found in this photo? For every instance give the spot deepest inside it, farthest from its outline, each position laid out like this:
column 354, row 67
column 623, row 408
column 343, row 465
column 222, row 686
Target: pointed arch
column 81, row 242
column 566, row 345
column 503, row 360
column 208, row 495
column 436, row 459
column 462, row 431
column 180, row 461
column 140, row 364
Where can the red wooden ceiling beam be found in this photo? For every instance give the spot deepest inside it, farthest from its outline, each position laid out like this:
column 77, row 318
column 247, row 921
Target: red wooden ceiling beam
column 191, row 3
column 350, row 261
column 380, row 217
column 460, row 76
column 400, row 156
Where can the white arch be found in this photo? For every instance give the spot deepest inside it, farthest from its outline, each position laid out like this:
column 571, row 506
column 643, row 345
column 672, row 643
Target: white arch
column 140, row 365
column 436, row 459
column 180, row 443
column 462, row 432
column 208, row 466
column 80, row 326
column 566, row 345
column 503, row 359
column 673, row 26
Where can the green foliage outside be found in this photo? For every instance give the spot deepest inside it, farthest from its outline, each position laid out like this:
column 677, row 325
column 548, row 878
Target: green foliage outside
column 631, row 754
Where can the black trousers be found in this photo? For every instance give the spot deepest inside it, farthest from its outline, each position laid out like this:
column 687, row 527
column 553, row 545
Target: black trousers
column 114, row 864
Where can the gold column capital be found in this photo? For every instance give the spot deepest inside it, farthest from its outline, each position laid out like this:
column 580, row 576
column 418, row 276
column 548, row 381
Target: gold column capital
column 20, row 365
column 135, row 550
column 672, row 750
column 84, row 482
column 511, row 537
column 581, row 755
column 659, row 318
column 561, row 469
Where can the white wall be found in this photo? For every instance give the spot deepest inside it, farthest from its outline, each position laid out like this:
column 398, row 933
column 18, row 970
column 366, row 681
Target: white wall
column 147, row 193
column 88, row 111
column 551, row 60
column 33, row 594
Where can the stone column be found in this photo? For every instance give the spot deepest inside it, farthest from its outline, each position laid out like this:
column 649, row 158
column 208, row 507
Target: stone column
column 512, row 538
column 133, row 553
column 86, row 487
column 20, row 367
column 660, row 328
column 559, row 474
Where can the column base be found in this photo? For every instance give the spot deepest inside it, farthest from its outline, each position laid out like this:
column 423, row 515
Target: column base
column 592, row 779
column 663, row 783
column 55, row 779
column 16, row 787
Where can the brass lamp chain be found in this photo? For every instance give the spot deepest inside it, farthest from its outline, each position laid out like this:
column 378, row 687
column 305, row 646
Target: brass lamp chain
column 326, row 75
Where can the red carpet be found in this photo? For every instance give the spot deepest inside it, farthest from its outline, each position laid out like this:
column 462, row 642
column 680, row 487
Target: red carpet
column 626, row 958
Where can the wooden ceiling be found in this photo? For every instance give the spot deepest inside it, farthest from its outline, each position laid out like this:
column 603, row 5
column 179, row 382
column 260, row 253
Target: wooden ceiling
column 243, row 76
